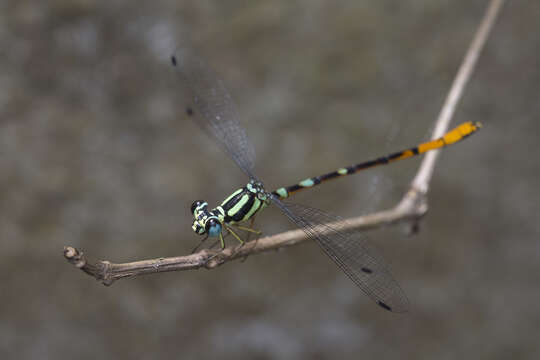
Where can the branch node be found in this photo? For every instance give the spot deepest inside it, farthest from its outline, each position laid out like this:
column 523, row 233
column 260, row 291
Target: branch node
column 157, row 264
column 215, row 259
column 106, row 277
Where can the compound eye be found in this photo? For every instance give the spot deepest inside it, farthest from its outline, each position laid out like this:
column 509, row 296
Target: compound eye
column 195, row 205
column 213, row 227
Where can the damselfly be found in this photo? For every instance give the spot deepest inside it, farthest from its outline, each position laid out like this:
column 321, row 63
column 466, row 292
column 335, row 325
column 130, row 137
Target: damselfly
column 218, row 117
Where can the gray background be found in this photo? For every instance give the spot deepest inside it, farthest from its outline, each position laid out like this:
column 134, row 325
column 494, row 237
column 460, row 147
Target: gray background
column 95, row 152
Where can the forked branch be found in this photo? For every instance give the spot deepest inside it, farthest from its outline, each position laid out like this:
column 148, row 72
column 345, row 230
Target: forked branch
column 411, row 208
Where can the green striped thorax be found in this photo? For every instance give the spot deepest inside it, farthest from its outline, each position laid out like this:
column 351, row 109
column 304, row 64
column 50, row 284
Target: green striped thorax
column 240, row 206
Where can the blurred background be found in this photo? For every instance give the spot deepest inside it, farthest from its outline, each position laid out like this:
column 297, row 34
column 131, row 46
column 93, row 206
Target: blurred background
column 96, row 153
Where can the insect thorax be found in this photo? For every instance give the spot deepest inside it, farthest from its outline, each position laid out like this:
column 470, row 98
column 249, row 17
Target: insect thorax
column 244, row 203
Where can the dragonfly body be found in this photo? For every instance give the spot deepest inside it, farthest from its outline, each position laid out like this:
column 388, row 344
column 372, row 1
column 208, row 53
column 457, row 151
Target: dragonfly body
column 246, row 202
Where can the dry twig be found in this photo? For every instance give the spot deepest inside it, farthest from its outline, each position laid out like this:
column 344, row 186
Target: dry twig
column 411, row 208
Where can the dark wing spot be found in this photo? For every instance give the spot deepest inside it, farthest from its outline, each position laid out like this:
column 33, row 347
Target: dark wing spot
column 384, row 306
column 189, row 111
column 367, row 270
column 173, row 60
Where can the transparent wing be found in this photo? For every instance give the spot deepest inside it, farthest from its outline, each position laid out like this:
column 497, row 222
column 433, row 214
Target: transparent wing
column 219, row 117
column 351, row 251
